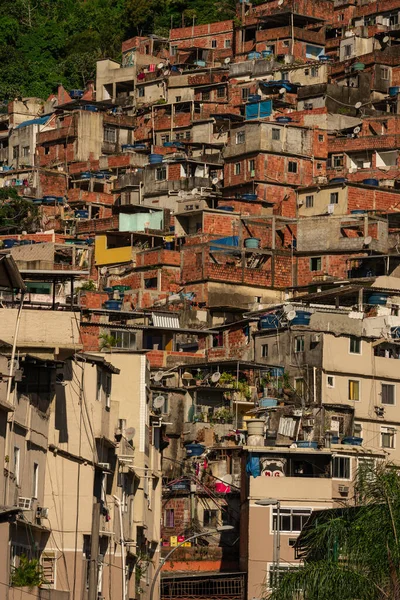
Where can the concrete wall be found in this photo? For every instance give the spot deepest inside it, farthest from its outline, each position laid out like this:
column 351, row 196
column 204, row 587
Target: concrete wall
column 258, row 137
column 322, row 197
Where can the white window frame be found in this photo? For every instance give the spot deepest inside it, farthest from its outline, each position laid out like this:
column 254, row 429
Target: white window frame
column 330, row 386
column 238, row 168
column 354, row 338
column 299, row 509
column 359, row 389
column 339, row 456
column 392, row 385
column 276, row 134
column 388, row 430
column 240, row 137
column 16, row 463
column 160, row 171
column 283, row 569
column 302, row 343
column 310, row 201
column 264, row 353
column 35, row 480
column 110, row 134
column 227, row 43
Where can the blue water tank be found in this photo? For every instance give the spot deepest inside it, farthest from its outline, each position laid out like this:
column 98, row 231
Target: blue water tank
column 374, row 182
column 155, row 159
column 377, row 298
column 86, row 175
column 302, row 318
column 252, row 243
column 90, row 108
column 195, row 449
column 226, row 208
column 113, row 304
column 268, row 402
column 352, row 441
column 395, row 333
column 338, row 180
column 394, row 90
column 74, row 94
column 253, row 55
column 9, row 243
column 276, row 371
column 304, row 444
column 82, row 214
column 254, row 98
column 249, row 197
column 269, row 322
column 283, row 119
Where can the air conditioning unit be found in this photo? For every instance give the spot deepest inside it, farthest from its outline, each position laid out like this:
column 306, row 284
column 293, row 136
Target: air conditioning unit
column 300, row 202
column 205, row 191
column 316, row 337
column 24, row 503
column 42, row 512
column 308, row 423
column 343, row 489
column 105, row 466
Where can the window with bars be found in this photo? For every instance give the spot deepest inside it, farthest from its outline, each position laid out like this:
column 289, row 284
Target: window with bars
column 299, row 343
column 355, row 345
column 309, row 201
column 161, row 173
column 341, row 467
column 169, row 517
column 110, row 134
column 388, row 437
column 292, row 520
column 124, row 339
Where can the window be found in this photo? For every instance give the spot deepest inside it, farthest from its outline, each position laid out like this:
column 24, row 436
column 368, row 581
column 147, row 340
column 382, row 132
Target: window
column 316, row 263
column 140, row 91
column 187, row 135
column 218, row 340
column 174, row 50
column 16, row 152
column 252, row 165
column 108, row 390
column 285, row 75
column 308, row 105
column 16, row 464
column 314, row 71
column 355, row 345
column 245, row 93
column 99, row 384
column 309, row 201
column 46, row 150
column 161, row 173
column 227, row 43
column 337, row 424
column 330, row 381
column 337, row 161
column 237, row 168
column 264, row 350
column 240, row 137
column 334, row 198
column 205, row 96
column 388, row 437
column 26, row 151
column 385, row 73
column 292, row 167
column 292, row 520
column 165, row 138
column 348, row 50
column 341, row 467
column 35, row 481
column 276, row 133
column 110, row 135
column 103, row 490
column 388, row 393
column 321, row 138
column 210, row 517
column 354, row 390
column 275, row 572
column 180, row 136
column 178, row 98
column 285, row 43
column 169, row 518
column 394, row 19
column 49, row 562
column 357, row 429
column 213, row 43
column 299, row 386
column 299, row 343
column 151, row 283
column 221, row 92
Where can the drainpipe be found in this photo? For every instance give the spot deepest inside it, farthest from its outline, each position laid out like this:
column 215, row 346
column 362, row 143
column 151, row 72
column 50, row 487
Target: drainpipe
column 122, row 541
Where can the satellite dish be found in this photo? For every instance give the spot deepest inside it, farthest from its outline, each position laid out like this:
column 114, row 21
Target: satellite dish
column 358, row 105
column 227, row 479
column 357, row 129
column 280, row 2
column 349, row 34
column 367, row 240
column 288, row 308
column 160, row 66
column 194, row 192
column 158, row 376
column 291, row 315
column 158, row 401
column 282, row 91
column 215, row 180
column 385, row 39
column 227, row 60
column 181, row 194
column 130, row 433
column 103, row 270
column 215, row 377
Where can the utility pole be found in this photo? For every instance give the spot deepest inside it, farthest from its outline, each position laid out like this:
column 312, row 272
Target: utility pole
column 93, row 564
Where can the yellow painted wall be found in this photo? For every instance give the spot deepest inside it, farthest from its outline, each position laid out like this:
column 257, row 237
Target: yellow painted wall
column 110, row 256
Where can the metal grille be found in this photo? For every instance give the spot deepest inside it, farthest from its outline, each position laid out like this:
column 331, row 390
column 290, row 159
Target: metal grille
column 210, row 587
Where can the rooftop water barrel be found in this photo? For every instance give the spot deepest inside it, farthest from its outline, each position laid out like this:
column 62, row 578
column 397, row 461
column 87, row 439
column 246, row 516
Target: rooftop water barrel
column 377, row 298
column 113, row 304
column 283, row 119
column 276, row 371
column 127, row 147
column 352, row 441
column 76, row 93
column 358, row 211
column 82, row 214
column 358, row 66
column 249, row 197
column 86, row 175
column 253, row 55
column 50, row 198
column 374, row 182
column 252, row 243
column 394, row 90
column 155, row 159
column 9, row 243
column 195, row 449
column 90, row 108
column 254, row 98
column 338, row 180
column 255, row 426
column 269, row 322
column 302, row 318
column 267, row 402
column 139, row 146
column 304, row 444
column 266, row 53
column 226, row 208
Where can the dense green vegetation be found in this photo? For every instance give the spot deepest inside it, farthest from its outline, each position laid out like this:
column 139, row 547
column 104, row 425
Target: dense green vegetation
column 47, row 42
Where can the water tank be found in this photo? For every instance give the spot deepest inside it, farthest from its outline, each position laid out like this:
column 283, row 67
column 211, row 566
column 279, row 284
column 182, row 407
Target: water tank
column 113, row 304
column 82, row 214
column 9, row 243
column 304, row 444
column 155, row 159
column 302, row 318
column 269, row 322
column 338, row 180
column 374, row 182
column 358, row 211
column 252, row 243
column 266, row 53
column 255, row 426
column 394, row 90
column 395, row 332
column 352, row 441
column 249, row 197
column 226, row 208
column 358, row 66
column 253, row 55
column 268, row 402
column 283, row 119
column 377, row 299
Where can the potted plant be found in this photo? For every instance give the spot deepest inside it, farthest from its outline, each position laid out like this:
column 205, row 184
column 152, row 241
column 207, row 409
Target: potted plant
column 227, row 380
column 223, row 415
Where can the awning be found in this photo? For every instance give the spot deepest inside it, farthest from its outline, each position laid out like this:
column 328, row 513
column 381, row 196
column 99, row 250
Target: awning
column 10, row 277
column 166, row 321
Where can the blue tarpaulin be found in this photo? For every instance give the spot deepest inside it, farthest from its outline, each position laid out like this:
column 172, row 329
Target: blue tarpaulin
column 259, row 110
column 231, row 241
column 253, row 466
column 38, row 121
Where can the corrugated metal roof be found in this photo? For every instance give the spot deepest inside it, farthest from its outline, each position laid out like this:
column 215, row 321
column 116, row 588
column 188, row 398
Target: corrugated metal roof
column 166, row 321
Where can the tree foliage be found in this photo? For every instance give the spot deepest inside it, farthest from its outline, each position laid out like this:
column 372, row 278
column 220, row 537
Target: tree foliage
column 16, row 213
column 352, row 553
column 47, row 42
